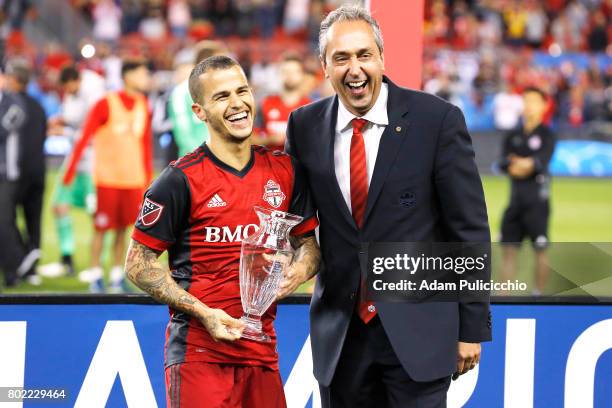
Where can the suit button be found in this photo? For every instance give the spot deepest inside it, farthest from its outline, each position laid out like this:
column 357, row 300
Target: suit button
column 352, row 296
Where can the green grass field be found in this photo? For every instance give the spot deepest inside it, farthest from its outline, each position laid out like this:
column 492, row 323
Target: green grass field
column 581, row 212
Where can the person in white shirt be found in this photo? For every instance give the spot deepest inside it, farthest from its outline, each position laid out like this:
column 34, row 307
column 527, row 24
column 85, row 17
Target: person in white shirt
column 384, row 164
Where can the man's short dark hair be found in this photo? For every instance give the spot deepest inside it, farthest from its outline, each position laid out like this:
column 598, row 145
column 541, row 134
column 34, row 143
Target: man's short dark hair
column 69, row 73
column 537, row 90
column 131, row 65
column 217, row 62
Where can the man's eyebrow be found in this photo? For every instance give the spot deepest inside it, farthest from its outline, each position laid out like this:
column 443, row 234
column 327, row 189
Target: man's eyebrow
column 358, row 52
column 364, row 50
column 218, row 94
column 340, row 53
column 226, row 93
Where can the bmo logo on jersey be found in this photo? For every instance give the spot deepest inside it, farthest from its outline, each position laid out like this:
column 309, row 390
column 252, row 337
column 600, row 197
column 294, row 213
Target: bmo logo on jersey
column 227, row 234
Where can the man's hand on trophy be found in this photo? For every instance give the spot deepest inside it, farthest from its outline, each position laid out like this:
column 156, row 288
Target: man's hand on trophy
column 221, row 326
column 305, row 265
column 293, row 276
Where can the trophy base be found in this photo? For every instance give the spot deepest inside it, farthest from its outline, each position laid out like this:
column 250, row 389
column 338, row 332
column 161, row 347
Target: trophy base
column 252, row 330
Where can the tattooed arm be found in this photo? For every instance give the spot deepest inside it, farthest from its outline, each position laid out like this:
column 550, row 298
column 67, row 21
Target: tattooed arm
column 144, row 269
column 304, row 267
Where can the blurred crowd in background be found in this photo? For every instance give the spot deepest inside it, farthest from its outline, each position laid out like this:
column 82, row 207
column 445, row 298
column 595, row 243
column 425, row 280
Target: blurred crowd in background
column 478, row 54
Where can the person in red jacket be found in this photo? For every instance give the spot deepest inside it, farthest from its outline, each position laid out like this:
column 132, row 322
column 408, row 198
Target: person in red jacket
column 119, row 127
column 275, row 109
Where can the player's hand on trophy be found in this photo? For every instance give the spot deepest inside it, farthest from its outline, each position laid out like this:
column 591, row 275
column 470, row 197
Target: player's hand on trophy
column 222, row 326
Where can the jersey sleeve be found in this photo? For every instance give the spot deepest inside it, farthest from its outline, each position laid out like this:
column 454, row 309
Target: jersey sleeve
column 97, row 116
column 164, row 212
column 301, row 202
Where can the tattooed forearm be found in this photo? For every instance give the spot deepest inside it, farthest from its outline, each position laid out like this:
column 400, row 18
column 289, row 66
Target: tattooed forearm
column 308, row 253
column 144, row 269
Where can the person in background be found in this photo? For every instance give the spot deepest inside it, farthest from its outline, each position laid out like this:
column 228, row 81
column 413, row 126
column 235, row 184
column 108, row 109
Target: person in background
column 119, row 126
column 12, row 120
column 31, row 164
column 527, row 150
column 81, row 90
column 275, row 109
column 189, row 132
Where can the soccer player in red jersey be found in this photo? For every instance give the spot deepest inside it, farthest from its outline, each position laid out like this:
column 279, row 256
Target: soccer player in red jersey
column 199, row 210
column 275, row 109
column 119, row 128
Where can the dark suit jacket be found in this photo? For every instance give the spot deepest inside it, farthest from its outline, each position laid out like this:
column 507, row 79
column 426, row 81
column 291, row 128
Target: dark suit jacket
column 425, row 151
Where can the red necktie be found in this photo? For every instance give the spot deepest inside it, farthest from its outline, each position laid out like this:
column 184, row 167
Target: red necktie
column 359, row 173
column 359, row 199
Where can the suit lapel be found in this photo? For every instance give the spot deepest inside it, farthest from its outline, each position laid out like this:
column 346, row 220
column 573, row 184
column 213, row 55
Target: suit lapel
column 330, row 118
column 390, row 144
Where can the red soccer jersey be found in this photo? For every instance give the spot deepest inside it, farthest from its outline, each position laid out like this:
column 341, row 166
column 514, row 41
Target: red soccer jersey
column 200, row 209
column 275, row 115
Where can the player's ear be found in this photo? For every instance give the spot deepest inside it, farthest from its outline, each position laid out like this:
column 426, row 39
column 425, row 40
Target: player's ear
column 198, row 110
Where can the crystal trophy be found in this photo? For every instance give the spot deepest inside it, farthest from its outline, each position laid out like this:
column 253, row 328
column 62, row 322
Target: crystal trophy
column 263, row 259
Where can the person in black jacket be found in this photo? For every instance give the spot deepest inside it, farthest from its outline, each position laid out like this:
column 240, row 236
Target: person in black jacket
column 12, row 118
column 385, row 164
column 31, row 187
column 527, row 150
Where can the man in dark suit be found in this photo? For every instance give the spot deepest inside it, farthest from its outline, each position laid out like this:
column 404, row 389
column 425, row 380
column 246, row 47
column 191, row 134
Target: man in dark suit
column 385, row 164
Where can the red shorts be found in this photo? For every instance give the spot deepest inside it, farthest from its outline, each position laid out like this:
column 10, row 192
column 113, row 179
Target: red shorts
column 208, row 385
column 117, row 207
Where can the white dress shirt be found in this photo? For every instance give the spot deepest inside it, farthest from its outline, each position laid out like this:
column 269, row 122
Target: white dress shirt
column 372, row 133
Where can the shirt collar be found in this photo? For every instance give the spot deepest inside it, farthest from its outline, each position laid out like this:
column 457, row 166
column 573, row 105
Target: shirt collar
column 377, row 115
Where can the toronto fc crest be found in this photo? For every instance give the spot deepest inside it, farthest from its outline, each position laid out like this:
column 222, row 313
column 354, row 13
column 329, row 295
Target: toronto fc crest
column 150, row 212
column 273, row 194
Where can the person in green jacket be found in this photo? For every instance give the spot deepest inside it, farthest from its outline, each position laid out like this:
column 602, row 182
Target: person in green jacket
column 189, row 132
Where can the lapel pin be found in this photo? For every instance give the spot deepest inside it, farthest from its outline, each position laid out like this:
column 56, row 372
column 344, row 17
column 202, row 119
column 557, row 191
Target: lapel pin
column 398, row 129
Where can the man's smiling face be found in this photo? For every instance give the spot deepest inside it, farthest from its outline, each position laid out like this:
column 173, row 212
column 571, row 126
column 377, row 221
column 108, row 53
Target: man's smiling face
column 354, row 65
column 228, row 106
